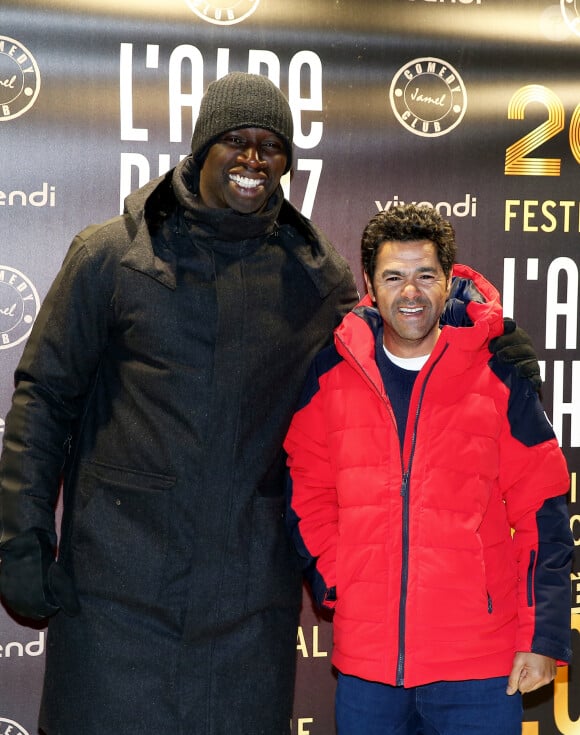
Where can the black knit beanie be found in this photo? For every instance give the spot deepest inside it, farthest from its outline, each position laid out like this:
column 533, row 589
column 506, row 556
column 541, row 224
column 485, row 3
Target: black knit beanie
column 241, row 100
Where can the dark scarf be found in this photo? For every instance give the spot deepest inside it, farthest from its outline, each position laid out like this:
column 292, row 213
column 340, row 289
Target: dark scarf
column 206, row 223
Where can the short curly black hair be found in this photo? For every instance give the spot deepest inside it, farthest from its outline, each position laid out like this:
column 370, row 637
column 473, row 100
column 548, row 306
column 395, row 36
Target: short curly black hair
column 405, row 223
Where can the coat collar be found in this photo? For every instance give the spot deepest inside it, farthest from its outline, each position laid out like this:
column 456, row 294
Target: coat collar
column 162, row 217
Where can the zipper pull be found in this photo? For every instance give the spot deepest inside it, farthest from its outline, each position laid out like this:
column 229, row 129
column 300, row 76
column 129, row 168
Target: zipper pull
column 405, row 484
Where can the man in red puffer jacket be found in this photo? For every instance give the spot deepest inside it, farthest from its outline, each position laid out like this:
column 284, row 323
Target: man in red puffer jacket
column 427, row 498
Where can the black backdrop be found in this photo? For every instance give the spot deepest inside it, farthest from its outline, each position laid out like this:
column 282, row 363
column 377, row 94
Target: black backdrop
column 471, row 105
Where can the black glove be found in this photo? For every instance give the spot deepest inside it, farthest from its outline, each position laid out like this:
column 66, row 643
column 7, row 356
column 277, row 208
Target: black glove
column 32, row 583
column 515, row 346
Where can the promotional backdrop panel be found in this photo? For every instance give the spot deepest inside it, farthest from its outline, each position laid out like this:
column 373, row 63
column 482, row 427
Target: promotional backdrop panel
column 470, row 105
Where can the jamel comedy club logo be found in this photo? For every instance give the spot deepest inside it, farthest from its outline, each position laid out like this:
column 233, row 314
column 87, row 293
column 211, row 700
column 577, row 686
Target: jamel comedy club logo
column 223, row 13
column 19, row 80
column 571, row 13
column 428, row 97
column 19, row 304
column 9, row 727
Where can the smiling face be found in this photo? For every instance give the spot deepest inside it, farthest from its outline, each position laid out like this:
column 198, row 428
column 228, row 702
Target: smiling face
column 410, row 290
column 242, row 170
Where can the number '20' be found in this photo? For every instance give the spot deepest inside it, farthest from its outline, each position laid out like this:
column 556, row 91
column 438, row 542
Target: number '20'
column 517, row 161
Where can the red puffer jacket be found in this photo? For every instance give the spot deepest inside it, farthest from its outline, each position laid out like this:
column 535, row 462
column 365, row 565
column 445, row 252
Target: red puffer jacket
column 443, row 559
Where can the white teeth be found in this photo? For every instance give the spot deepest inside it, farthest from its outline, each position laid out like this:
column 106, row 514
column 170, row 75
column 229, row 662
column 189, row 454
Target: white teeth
column 245, row 181
column 409, row 310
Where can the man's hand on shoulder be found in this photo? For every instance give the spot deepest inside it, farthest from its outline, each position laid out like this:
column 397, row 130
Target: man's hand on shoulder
column 515, row 346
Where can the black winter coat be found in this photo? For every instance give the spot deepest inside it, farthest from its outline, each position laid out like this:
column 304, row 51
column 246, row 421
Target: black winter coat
column 159, row 380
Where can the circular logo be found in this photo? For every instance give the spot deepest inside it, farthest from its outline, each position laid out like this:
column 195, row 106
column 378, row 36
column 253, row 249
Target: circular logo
column 11, row 727
column 428, row 97
column 19, row 79
column 571, row 13
column 19, row 304
column 223, row 13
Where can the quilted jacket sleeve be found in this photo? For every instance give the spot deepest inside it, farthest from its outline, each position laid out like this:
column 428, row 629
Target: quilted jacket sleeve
column 534, row 479
column 312, row 500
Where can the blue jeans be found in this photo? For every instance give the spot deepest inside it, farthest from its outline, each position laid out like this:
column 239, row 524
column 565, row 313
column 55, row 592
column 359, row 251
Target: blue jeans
column 474, row 707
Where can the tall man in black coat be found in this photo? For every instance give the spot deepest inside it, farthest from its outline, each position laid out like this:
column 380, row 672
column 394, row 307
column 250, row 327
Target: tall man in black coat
column 157, row 385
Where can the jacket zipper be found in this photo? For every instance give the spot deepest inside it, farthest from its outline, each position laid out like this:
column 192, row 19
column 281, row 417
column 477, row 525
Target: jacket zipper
column 405, row 494
column 405, row 486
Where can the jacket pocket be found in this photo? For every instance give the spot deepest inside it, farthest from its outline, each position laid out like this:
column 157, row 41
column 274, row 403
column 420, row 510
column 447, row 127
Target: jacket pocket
column 530, row 578
column 486, row 593
column 120, row 532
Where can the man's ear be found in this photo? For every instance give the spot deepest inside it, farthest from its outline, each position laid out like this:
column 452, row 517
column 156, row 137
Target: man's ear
column 369, row 285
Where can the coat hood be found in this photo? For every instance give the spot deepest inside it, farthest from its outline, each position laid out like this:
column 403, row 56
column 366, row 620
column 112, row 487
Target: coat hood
column 473, row 301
